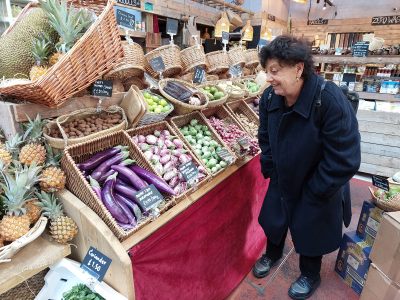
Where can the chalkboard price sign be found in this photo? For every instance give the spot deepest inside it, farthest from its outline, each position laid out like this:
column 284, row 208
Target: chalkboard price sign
column 172, row 26
column 380, row 182
column 360, row 49
column 125, row 19
column 244, row 142
column 235, row 70
column 225, row 155
column 225, row 37
column 96, row 263
column 102, row 88
column 189, row 172
column 317, row 22
column 386, row 20
column 199, row 74
column 149, row 197
column 157, row 64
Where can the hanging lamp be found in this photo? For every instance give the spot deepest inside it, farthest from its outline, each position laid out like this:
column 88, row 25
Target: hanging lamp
column 301, row 1
column 223, row 24
column 266, row 33
column 248, row 32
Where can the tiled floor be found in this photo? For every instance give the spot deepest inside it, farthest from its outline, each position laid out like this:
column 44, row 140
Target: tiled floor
column 332, row 286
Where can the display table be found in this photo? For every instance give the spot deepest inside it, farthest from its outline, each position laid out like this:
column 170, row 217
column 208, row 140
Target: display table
column 199, row 249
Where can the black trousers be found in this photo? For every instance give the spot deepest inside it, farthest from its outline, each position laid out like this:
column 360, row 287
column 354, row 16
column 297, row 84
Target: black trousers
column 310, row 266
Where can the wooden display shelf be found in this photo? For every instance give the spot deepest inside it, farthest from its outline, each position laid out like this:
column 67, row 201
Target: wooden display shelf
column 132, row 33
column 379, row 97
column 30, row 260
column 343, row 59
column 94, row 232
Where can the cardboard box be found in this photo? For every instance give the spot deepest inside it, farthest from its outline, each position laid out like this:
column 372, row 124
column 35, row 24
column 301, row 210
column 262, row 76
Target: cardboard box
column 369, row 221
column 379, row 286
column 353, row 261
column 386, row 250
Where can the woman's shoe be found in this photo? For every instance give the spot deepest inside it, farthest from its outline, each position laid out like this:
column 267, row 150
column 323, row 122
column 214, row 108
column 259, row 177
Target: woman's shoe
column 303, row 287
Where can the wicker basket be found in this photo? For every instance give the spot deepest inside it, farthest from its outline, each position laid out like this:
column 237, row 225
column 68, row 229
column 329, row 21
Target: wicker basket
column 251, row 57
column 249, row 101
column 79, row 186
column 171, row 56
column 212, row 77
column 132, row 65
column 241, row 107
column 94, row 5
column 248, row 93
column 386, row 205
column 180, row 107
column 149, row 69
column 150, row 117
column 192, row 57
column 236, row 56
column 235, row 96
column 95, row 54
column 218, row 102
column 149, row 129
column 180, row 121
column 217, row 62
column 61, row 143
column 187, row 77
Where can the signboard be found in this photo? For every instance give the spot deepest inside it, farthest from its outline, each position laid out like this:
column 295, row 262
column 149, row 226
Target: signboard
column 102, row 88
column 96, row 263
column 225, row 37
column 360, row 49
column 199, row 74
column 225, row 155
column 172, row 26
column 134, row 3
column 380, row 182
column 149, row 197
column 319, row 21
column 386, row 20
column 271, row 17
column 235, row 70
column 189, row 172
column 125, row 19
column 244, row 142
column 157, row 64
column 349, row 77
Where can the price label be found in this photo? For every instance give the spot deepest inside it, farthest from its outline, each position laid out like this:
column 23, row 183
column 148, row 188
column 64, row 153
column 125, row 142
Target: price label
column 235, row 71
column 102, row 88
column 199, row 74
column 360, row 49
column 150, row 80
column 380, row 182
column 189, row 172
column 225, row 155
column 244, row 142
column 149, row 197
column 225, row 37
column 172, row 26
column 125, row 19
column 157, row 64
column 96, row 263
column 134, row 3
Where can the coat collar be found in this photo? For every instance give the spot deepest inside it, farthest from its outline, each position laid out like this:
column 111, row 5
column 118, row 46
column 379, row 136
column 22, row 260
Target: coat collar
column 305, row 101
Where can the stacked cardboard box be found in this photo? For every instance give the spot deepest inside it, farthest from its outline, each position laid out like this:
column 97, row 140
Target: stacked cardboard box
column 384, row 277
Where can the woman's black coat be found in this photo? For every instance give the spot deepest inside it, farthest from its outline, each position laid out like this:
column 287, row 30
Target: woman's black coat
column 309, row 153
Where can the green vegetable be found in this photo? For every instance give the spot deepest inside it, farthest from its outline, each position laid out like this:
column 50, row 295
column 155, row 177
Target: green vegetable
column 81, row 292
column 194, row 122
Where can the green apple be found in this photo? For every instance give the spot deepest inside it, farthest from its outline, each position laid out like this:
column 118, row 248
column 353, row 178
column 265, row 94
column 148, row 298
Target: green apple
column 163, row 102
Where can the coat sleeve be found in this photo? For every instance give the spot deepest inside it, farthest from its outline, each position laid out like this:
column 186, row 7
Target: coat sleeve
column 341, row 154
column 263, row 138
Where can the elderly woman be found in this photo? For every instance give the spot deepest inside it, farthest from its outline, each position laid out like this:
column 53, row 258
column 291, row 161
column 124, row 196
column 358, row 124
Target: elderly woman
column 310, row 147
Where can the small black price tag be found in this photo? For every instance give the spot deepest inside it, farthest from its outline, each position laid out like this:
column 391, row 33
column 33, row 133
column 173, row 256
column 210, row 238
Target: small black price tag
column 199, row 74
column 149, row 197
column 96, row 263
column 125, row 19
column 172, row 26
column 189, row 172
column 380, row 182
column 225, row 155
column 157, row 64
column 225, row 37
column 102, row 88
column 360, row 49
column 235, row 70
column 244, row 142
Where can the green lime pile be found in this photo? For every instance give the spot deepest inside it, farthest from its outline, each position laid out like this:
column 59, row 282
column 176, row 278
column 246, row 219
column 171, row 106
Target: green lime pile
column 252, row 87
column 212, row 93
column 156, row 103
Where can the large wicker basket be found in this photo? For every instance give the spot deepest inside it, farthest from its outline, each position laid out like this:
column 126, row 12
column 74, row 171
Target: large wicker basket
column 180, row 121
column 221, row 101
column 151, row 117
column 163, row 125
column 217, row 62
column 252, row 60
column 79, row 186
column 192, row 57
column 180, row 107
column 95, row 54
column 386, row 205
column 241, row 107
column 172, row 59
column 132, row 65
column 236, row 57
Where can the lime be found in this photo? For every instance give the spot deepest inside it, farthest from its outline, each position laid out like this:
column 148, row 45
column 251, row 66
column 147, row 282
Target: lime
column 158, row 110
column 146, row 95
column 163, row 102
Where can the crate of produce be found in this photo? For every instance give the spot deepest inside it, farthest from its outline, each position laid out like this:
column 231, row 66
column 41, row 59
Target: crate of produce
column 192, row 57
column 217, row 62
column 236, row 56
column 171, row 57
column 203, row 141
column 83, row 125
column 216, row 95
column 245, row 116
column 388, row 201
column 93, row 55
column 101, row 158
column 184, row 96
column 252, row 60
column 254, row 104
column 231, row 131
column 166, row 152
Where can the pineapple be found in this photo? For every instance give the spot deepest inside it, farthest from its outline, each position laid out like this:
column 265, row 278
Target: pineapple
column 62, row 228
column 10, row 149
column 33, row 151
column 40, row 51
column 33, row 210
column 53, row 178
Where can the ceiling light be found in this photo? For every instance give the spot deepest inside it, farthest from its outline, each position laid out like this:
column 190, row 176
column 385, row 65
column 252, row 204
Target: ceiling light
column 301, row 1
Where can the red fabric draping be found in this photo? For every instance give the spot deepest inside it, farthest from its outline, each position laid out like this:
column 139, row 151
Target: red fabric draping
column 208, row 249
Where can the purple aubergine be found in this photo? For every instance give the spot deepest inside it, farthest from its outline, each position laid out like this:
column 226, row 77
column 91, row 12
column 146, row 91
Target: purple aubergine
column 107, row 197
column 103, row 177
column 95, row 186
column 99, row 158
column 106, row 165
column 151, row 178
column 127, row 211
column 129, row 193
column 134, row 179
column 121, row 181
column 132, row 205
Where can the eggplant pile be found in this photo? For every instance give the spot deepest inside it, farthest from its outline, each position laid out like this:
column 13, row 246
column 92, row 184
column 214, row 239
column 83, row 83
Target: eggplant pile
column 115, row 179
column 182, row 93
column 166, row 153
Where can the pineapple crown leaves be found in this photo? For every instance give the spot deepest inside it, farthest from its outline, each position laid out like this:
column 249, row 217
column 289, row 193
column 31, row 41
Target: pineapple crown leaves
column 70, row 23
column 52, row 160
column 33, row 129
column 42, row 47
column 49, row 205
column 13, row 144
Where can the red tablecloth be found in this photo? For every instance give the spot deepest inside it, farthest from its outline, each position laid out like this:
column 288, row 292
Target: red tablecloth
column 208, row 249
